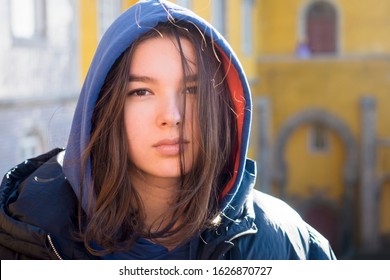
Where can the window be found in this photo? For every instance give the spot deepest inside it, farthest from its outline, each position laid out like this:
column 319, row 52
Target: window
column 219, row 15
column 246, row 26
column 108, row 11
column 28, row 20
column 318, row 138
column 321, row 28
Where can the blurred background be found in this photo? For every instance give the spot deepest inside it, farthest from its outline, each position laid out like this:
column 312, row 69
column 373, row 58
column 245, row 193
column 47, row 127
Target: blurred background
column 319, row 71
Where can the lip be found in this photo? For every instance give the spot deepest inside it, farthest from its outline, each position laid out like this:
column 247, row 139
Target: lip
column 169, row 147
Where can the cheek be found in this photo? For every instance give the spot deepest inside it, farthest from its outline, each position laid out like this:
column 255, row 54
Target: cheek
column 130, row 123
column 135, row 137
column 133, row 123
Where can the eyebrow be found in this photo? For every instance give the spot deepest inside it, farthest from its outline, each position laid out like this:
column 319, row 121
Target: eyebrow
column 191, row 78
column 136, row 78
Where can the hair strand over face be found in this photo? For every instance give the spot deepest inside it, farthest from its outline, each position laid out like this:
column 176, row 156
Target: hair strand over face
column 118, row 215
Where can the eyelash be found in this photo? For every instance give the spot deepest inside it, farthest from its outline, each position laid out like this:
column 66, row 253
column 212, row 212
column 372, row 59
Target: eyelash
column 137, row 92
column 143, row 92
column 191, row 90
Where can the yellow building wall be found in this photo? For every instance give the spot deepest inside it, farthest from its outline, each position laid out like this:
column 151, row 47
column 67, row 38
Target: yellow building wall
column 128, row 3
column 89, row 31
column 88, row 34
column 335, row 86
column 278, row 26
column 361, row 26
column 202, row 8
column 366, row 26
column 314, row 174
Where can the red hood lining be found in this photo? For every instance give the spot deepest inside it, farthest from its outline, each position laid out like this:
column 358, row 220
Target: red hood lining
column 236, row 90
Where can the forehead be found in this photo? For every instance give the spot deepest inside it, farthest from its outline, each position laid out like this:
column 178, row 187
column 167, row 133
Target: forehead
column 163, row 53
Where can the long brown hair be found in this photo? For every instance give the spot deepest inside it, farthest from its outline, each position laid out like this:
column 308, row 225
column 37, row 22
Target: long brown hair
column 117, row 217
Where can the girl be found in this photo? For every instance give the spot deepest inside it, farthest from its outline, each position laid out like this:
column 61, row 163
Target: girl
column 155, row 166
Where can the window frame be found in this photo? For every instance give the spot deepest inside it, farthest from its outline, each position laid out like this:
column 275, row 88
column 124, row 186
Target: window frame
column 39, row 18
column 301, row 28
column 326, row 24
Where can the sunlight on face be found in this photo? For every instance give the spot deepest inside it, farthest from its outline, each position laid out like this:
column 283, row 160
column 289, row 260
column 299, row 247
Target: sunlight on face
column 153, row 109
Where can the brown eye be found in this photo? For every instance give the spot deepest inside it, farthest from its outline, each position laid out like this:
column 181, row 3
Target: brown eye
column 191, row 90
column 139, row 92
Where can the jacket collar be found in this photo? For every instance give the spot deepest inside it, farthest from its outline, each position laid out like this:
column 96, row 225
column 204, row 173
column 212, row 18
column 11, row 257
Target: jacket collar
column 238, row 220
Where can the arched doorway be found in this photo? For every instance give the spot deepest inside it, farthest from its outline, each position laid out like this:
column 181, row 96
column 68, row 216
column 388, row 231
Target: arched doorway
column 313, row 210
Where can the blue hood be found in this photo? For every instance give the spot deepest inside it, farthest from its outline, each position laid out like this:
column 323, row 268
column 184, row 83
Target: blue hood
column 134, row 22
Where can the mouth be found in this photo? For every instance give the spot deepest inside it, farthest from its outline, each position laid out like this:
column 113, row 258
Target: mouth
column 170, row 147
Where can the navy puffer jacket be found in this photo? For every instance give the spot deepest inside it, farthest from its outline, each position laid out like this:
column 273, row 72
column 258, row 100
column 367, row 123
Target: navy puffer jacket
column 40, row 197
column 38, row 219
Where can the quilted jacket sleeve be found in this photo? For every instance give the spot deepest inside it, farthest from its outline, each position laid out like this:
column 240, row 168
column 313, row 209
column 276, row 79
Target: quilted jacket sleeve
column 282, row 234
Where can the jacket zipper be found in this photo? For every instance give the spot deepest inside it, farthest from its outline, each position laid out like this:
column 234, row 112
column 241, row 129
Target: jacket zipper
column 53, row 247
column 247, row 232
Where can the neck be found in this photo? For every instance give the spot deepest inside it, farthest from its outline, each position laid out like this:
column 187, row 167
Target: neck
column 157, row 195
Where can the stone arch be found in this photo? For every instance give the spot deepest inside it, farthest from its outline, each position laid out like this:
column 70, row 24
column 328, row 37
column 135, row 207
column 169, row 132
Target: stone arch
column 350, row 172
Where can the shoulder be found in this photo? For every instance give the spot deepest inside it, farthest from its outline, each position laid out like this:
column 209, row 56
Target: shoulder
column 36, row 200
column 37, row 191
column 45, row 197
column 282, row 234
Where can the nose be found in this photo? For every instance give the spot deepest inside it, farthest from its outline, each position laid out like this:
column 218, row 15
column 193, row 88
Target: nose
column 170, row 111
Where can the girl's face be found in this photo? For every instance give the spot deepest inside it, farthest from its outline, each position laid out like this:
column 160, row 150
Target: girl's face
column 154, row 108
